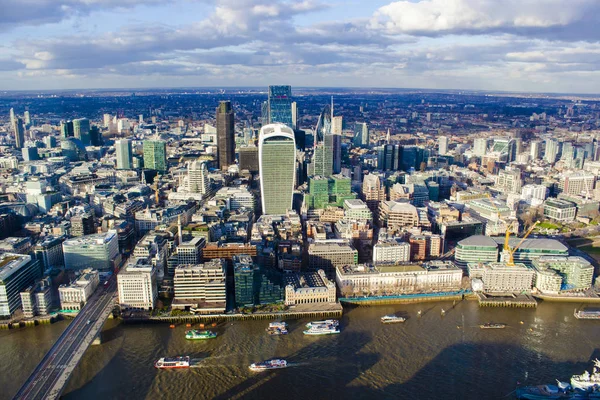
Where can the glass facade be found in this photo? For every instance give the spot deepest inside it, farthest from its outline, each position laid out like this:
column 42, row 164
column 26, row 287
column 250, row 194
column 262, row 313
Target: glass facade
column 280, row 105
column 81, row 130
column 277, row 157
column 155, row 155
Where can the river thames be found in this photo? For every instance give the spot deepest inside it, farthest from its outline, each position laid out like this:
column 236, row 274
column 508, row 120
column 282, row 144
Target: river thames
column 427, row 357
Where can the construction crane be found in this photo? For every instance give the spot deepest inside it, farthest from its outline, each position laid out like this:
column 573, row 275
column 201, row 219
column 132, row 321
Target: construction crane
column 511, row 251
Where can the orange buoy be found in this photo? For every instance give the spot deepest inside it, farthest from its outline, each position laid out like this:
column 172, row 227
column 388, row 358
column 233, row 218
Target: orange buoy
column 201, row 325
column 214, row 324
column 188, row 325
column 172, row 326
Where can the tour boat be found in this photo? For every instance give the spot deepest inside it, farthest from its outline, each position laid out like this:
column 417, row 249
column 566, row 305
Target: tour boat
column 173, row 362
column 392, row 319
column 269, row 364
column 196, row 334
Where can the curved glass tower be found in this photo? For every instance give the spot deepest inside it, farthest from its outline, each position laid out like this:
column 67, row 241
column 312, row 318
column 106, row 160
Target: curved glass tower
column 277, row 164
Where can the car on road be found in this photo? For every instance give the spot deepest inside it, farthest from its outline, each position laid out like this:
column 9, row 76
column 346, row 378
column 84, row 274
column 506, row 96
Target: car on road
column 89, row 322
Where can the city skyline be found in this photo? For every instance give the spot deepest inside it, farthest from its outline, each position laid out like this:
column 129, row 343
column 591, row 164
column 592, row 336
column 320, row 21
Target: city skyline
column 540, row 46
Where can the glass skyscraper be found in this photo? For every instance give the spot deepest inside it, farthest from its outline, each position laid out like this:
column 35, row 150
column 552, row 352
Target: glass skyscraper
column 124, row 154
column 277, row 159
column 155, row 155
column 81, row 130
column 280, row 105
column 361, row 134
column 225, row 135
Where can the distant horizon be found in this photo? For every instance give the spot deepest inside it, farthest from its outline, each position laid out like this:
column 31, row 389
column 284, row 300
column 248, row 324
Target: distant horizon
column 297, row 88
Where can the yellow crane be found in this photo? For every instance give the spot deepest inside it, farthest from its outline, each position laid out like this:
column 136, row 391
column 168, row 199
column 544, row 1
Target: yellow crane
column 508, row 231
column 511, row 252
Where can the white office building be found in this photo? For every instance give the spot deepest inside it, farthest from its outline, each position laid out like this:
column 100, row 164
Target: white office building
column 100, row 251
column 74, row 296
column 391, row 252
column 137, row 285
column 201, row 287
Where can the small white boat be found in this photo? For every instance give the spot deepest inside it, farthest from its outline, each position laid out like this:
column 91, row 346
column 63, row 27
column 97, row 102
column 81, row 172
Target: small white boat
column 269, row 364
column 392, row 319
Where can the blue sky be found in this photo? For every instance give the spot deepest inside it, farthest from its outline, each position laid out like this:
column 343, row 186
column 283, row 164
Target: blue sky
column 516, row 45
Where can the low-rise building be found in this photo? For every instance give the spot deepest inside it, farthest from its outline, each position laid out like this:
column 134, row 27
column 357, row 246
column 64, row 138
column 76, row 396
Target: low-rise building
column 560, row 210
column 328, row 255
column 309, row 288
column 98, row 251
column 391, row 251
column 49, row 252
column 74, row 295
column 37, row 299
column 390, row 280
column 475, row 249
column 137, row 285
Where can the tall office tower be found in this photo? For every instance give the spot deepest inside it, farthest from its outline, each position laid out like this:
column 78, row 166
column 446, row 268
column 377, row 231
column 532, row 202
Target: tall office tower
column 337, row 125
column 388, row 157
column 12, row 119
column 337, row 152
column 107, row 119
column 443, row 145
column 322, row 162
column 27, row 117
column 361, row 134
column 198, row 181
column 155, row 155
column 505, row 146
column 294, row 115
column 280, row 105
column 141, row 118
column 95, row 136
column 373, row 192
column 264, row 113
column 480, row 146
column 66, row 129
column 124, row 154
column 81, row 130
column 19, row 133
column 536, row 150
column 225, row 135
column 552, row 150
column 277, row 164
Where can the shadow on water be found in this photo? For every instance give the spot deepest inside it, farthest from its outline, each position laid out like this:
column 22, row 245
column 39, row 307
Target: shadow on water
column 320, row 383
column 462, row 371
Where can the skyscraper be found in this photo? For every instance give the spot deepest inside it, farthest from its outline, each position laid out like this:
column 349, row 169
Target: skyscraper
column 443, row 145
column 198, row 181
column 124, row 154
column 19, row 133
column 280, row 105
column 277, row 159
column 81, row 130
column 155, row 155
column 294, row 116
column 66, row 129
column 361, row 134
column 27, row 117
column 536, row 150
column 480, row 146
column 552, row 151
column 337, row 152
column 337, row 125
column 322, row 162
column 12, row 119
column 388, row 157
column 225, row 134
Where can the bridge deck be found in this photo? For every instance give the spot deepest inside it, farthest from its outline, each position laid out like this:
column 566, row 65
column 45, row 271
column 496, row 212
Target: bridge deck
column 52, row 374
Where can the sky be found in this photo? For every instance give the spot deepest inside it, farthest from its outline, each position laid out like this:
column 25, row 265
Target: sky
column 508, row 45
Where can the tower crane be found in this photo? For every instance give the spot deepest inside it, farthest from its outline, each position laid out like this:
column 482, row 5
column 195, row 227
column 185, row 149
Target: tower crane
column 511, row 251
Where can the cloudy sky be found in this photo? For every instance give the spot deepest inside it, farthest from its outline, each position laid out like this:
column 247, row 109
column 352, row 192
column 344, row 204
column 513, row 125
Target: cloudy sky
column 515, row 45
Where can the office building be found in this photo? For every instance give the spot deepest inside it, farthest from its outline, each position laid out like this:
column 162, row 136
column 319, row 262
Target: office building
column 396, row 215
column 99, row 251
column 137, row 285
column 252, row 286
column 392, row 280
column 361, row 134
column 277, row 161
column 322, row 161
column 280, row 105
column 124, row 154
column 327, row 256
column 19, row 129
column 337, row 125
column 391, row 251
column 225, row 135
column 509, row 181
column 37, row 299
column 82, row 224
column 309, row 288
column 442, row 145
column 388, row 157
column 480, row 146
column 81, row 130
column 425, row 247
column 476, row 249
column 74, row 295
column 17, row 273
column 201, row 287
column 155, row 155
column 560, row 210
column 197, row 177
column 536, row 150
column 373, row 192
column 577, row 183
column 49, row 252
column 552, row 151
column 248, row 157
column 66, row 129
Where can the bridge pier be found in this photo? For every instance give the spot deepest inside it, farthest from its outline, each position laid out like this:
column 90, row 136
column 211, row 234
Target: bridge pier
column 97, row 340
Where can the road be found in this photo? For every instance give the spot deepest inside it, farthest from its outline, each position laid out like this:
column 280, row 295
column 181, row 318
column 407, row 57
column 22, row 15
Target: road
column 52, row 374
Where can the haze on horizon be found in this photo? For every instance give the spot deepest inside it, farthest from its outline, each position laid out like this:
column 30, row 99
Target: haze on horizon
column 511, row 45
